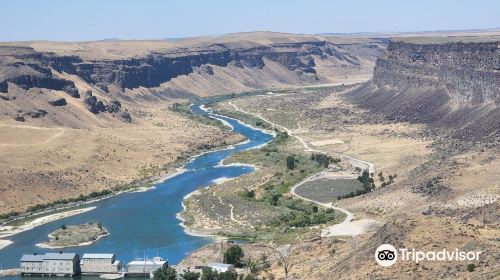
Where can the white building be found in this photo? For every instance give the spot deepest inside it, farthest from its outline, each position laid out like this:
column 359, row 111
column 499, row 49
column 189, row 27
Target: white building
column 100, row 263
column 59, row 264
column 221, row 267
column 32, row 264
column 145, row 266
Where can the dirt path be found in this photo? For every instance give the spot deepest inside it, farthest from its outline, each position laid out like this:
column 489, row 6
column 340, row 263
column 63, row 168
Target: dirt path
column 232, row 212
column 354, row 161
column 236, row 220
column 61, row 132
column 347, row 227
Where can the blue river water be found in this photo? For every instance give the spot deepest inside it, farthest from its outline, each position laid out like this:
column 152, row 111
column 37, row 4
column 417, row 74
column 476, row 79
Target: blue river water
column 145, row 223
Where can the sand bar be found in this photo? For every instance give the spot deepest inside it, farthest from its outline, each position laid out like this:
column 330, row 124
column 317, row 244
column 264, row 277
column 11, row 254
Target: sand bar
column 11, row 230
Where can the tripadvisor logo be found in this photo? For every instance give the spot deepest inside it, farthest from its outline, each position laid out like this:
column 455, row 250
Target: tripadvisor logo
column 387, row 255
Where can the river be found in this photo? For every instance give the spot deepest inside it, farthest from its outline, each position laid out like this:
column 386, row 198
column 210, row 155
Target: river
column 145, row 223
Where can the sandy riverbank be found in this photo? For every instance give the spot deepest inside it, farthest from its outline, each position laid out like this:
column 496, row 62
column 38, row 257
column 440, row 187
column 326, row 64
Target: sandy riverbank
column 6, row 231
column 4, row 243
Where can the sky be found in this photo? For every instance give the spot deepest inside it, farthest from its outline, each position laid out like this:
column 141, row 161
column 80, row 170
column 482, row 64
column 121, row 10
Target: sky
column 87, row 20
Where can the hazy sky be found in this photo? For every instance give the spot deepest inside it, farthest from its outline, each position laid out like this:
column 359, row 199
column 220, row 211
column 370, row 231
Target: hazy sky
column 82, row 20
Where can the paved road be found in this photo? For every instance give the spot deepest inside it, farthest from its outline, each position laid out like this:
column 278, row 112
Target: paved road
column 347, row 227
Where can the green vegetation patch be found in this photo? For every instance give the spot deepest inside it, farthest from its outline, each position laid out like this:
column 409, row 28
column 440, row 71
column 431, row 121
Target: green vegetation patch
column 183, row 109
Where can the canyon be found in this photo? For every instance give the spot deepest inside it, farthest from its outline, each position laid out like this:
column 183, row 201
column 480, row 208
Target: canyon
column 86, row 116
column 100, row 107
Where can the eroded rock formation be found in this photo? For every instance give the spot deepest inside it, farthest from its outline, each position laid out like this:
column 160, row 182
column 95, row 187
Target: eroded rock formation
column 452, row 87
column 469, row 71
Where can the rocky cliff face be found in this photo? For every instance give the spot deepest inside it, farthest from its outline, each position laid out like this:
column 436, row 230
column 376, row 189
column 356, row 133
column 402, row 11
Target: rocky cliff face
column 451, row 87
column 470, row 72
column 28, row 68
column 157, row 68
column 150, row 71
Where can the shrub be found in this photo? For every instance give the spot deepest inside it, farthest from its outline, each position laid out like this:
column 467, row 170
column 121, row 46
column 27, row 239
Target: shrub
column 233, row 255
column 209, row 274
column 250, row 194
column 189, row 275
column 165, row 273
column 471, row 267
column 290, row 162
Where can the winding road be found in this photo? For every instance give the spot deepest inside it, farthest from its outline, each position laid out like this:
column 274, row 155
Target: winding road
column 346, row 227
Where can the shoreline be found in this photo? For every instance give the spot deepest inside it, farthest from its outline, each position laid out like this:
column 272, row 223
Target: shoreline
column 51, row 215
column 6, row 231
column 187, row 229
column 46, row 246
column 4, row 243
column 47, row 213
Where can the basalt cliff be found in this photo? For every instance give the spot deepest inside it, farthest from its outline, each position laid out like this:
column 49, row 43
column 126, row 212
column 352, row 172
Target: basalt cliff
column 452, row 86
column 103, row 75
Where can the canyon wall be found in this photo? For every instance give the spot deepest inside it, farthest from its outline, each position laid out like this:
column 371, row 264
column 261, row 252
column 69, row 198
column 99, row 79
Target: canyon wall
column 28, row 68
column 452, row 87
column 54, row 77
column 470, row 72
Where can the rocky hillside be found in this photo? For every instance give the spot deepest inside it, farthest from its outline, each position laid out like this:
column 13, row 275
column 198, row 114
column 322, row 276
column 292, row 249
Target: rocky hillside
column 34, row 74
column 469, row 71
column 450, row 86
column 78, row 118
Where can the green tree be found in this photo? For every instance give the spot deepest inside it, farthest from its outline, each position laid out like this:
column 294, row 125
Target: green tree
column 165, row 273
column 233, row 255
column 250, row 193
column 228, row 275
column 190, row 275
column 290, row 162
column 471, row 267
column 64, row 227
column 209, row 274
column 274, row 199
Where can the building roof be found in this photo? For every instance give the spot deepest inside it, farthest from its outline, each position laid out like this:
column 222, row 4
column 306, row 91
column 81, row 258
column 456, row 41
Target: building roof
column 148, row 262
column 220, row 265
column 98, row 256
column 60, row 256
column 32, row 258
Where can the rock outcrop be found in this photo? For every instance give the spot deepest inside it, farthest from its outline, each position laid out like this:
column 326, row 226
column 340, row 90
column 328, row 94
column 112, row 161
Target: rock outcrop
column 127, row 72
column 97, row 106
column 452, row 87
column 58, row 102
column 126, row 117
column 4, row 87
column 28, row 68
column 157, row 68
column 470, row 72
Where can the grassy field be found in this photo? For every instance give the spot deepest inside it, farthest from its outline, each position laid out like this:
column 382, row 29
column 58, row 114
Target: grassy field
column 258, row 205
column 328, row 190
